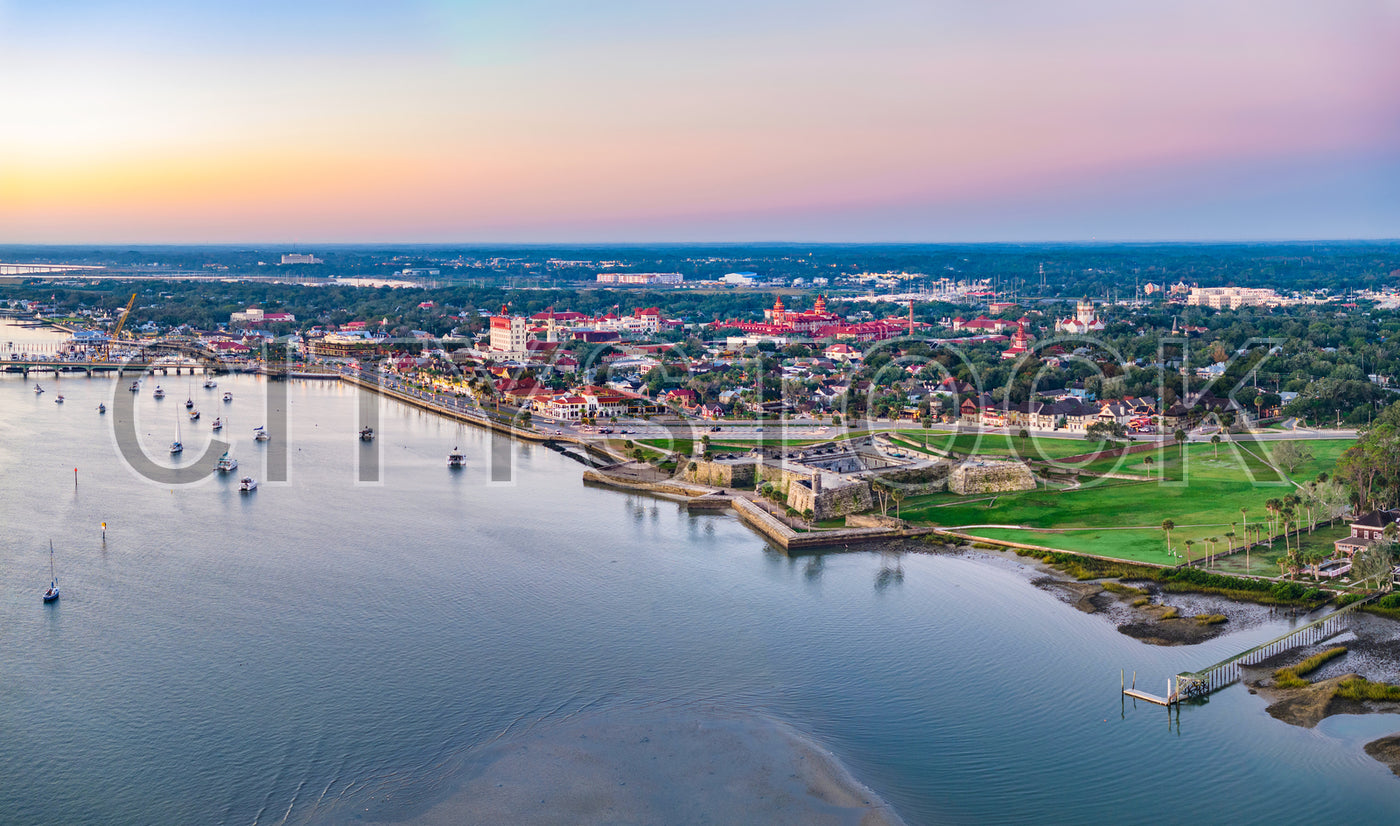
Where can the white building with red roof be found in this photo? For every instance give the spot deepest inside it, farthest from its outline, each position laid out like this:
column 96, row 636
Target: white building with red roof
column 1085, row 320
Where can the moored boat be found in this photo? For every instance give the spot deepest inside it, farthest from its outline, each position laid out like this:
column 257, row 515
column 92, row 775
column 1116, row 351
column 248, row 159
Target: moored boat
column 226, row 463
column 366, row 434
column 38, row 389
column 456, row 459
column 228, row 397
column 210, row 384
column 247, row 484
column 261, row 435
column 194, row 415
column 218, row 424
column 51, row 595
column 160, row 392
column 58, row 400
column 101, row 408
column 135, row 387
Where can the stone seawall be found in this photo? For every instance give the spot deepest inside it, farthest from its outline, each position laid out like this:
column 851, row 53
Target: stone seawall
column 667, row 489
column 790, row 540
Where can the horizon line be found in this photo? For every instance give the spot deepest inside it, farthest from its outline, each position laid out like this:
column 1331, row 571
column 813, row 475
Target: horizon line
column 1090, row 242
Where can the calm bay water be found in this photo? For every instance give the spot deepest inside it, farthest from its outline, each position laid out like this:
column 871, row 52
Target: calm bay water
column 317, row 644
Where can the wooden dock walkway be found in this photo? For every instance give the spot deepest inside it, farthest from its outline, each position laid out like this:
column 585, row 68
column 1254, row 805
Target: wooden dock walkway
column 1173, row 692
column 1196, row 685
column 1151, row 698
column 1226, row 672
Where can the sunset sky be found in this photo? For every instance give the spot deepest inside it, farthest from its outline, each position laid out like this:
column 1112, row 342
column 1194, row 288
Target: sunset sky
column 722, row 120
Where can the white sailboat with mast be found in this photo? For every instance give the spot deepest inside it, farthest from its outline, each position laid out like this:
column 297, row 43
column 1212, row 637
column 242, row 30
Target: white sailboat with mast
column 51, row 595
column 177, row 446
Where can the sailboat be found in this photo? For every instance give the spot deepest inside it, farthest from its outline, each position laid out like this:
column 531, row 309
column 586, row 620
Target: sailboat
column 226, row 463
column 51, row 595
column 176, row 446
column 210, row 384
column 218, row 424
column 194, row 415
column 38, row 388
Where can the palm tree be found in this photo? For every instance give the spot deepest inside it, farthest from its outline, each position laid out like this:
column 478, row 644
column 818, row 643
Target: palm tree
column 1167, row 526
column 1215, row 443
column 1189, row 543
column 1285, row 516
column 1294, row 503
column 1230, row 540
column 1214, row 543
column 1273, row 506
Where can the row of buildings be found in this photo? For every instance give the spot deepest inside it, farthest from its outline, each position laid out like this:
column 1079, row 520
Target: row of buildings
column 1076, row 414
column 819, row 322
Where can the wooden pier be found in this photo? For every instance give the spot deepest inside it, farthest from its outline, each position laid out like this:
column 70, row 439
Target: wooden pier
column 1173, row 693
column 1195, row 685
column 1227, row 672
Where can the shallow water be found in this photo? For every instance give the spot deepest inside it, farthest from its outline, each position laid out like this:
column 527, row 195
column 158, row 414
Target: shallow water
column 323, row 642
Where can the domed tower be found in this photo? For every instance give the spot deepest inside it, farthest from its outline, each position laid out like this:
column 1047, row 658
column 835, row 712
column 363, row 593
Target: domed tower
column 1084, row 312
column 820, row 306
column 778, row 312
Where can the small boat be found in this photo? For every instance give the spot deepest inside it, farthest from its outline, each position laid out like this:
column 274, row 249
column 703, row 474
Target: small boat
column 228, row 397
column 194, row 415
column 247, row 484
column 58, row 400
column 456, row 459
column 51, row 595
column 38, row 389
column 177, row 446
column 210, row 384
column 226, row 463
column 218, row 424
column 160, row 392
column 366, row 434
column 261, row 435
column 101, row 408
column 135, row 387
column 189, row 404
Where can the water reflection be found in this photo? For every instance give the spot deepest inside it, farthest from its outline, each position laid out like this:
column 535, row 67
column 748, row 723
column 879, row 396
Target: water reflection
column 891, row 570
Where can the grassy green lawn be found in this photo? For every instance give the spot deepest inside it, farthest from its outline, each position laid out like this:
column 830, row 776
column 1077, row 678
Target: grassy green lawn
column 998, row 444
column 1201, row 493
column 1264, row 560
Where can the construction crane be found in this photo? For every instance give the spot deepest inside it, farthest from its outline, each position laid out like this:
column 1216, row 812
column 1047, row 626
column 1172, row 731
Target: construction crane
column 121, row 322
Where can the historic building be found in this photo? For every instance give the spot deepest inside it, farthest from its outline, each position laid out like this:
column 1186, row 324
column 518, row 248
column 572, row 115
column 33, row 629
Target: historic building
column 1085, row 320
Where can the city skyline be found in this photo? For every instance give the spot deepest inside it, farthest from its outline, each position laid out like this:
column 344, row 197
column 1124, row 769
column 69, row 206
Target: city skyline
column 541, row 122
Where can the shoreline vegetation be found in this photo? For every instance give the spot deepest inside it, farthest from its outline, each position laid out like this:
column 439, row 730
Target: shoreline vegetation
column 1297, row 698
